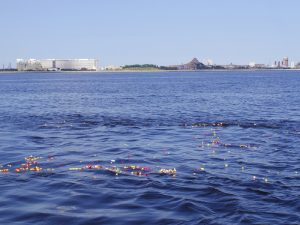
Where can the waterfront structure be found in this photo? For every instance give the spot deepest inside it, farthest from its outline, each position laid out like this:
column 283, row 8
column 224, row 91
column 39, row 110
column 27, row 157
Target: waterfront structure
column 28, row 65
column 235, row 67
column 208, row 62
column 293, row 65
column 254, row 65
column 192, row 65
column 285, row 62
column 57, row 64
column 111, row 67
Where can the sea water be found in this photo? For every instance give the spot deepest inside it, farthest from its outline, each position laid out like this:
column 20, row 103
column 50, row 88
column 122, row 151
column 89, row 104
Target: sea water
column 150, row 148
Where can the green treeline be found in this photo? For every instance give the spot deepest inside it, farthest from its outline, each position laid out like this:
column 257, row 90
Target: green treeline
column 140, row 66
column 148, row 67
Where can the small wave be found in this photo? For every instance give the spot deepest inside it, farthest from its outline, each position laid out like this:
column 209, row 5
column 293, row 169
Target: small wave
column 83, row 121
column 248, row 124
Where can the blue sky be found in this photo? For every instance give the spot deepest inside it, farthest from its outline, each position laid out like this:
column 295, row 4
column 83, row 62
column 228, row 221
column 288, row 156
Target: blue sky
column 162, row 32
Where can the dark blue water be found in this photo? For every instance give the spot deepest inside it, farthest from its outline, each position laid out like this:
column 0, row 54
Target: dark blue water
column 150, row 148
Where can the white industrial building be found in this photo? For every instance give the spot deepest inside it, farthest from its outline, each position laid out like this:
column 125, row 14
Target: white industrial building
column 28, row 65
column 57, row 64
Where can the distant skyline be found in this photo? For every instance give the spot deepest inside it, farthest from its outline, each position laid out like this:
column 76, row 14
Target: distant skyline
column 162, row 32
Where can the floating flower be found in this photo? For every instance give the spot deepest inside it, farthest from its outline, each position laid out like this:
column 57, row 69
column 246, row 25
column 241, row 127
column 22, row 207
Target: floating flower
column 114, row 170
column 18, row 170
column 36, row 169
column 244, row 146
column 32, row 158
column 98, row 167
column 89, row 167
column 168, row 171
column 75, row 168
column 4, row 170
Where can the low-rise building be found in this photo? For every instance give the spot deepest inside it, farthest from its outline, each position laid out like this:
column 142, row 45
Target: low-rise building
column 57, row 64
column 29, row 65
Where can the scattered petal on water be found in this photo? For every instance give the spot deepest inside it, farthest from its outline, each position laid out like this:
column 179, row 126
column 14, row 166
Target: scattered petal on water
column 168, row 171
column 4, row 171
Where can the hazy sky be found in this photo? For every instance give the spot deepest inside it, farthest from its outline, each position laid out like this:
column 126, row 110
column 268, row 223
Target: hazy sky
column 162, row 32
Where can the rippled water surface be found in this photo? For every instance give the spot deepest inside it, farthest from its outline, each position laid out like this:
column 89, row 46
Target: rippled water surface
column 150, row 148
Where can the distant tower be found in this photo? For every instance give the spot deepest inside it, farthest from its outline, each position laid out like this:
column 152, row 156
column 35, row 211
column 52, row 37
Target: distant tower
column 285, row 62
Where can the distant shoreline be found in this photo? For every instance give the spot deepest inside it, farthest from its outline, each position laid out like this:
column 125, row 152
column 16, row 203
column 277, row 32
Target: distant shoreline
column 148, row 71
